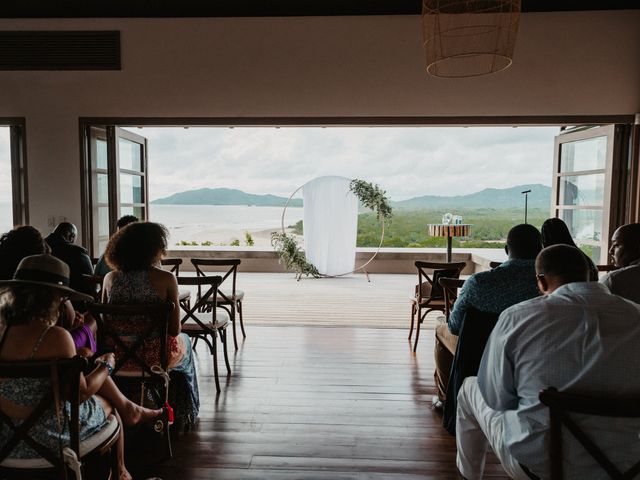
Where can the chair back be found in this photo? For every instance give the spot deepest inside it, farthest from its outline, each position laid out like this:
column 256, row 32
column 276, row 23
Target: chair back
column 64, row 375
column 150, row 323
column 450, row 288
column 94, row 285
column 561, row 404
column 228, row 264
column 205, row 302
column 429, row 273
column 173, row 263
column 606, row 268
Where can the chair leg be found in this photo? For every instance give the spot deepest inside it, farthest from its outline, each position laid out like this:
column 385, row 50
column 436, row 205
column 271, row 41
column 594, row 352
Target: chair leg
column 418, row 322
column 214, row 354
column 223, row 338
column 232, row 310
column 239, row 305
column 413, row 315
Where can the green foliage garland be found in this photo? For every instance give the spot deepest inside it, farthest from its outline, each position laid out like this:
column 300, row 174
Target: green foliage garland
column 287, row 248
column 291, row 256
column 373, row 197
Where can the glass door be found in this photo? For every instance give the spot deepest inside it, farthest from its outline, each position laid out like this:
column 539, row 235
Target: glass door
column 583, row 188
column 118, row 180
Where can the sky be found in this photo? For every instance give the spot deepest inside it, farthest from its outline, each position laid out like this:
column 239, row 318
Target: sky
column 405, row 161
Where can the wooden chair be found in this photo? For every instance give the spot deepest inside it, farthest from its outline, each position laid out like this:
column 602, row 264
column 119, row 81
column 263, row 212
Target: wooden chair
column 450, row 288
column 139, row 375
column 230, row 300
column 174, row 267
column 64, row 375
column 429, row 295
column 205, row 321
column 561, row 404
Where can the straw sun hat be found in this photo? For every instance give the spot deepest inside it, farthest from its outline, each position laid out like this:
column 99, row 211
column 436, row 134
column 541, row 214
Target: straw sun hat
column 45, row 270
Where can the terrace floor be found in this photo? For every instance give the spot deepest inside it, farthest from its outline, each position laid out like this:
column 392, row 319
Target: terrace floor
column 317, row 392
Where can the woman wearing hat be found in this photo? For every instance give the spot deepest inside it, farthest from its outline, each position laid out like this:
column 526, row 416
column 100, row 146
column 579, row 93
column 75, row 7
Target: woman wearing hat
column 29, row 305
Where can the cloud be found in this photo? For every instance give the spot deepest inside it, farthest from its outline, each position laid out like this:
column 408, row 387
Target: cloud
column 405, row 161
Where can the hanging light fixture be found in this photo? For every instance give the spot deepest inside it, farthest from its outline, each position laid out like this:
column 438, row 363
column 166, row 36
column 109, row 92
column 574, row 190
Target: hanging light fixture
column 468, row 38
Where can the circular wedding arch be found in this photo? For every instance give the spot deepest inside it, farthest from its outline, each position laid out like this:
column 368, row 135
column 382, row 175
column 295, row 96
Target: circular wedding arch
column 356, row 269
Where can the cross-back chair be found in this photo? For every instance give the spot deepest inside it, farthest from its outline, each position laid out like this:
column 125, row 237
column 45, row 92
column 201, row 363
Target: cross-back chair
column 429, row 295
column 174, row 264
column 450, row 287
column 64, row 375
column 204, row 321
column 132, row 369
column 561, row 404
column 230, row 300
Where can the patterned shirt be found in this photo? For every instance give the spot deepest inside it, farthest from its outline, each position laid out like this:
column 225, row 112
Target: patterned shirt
column 625, row 281
column 495, row 290
column 580, row 339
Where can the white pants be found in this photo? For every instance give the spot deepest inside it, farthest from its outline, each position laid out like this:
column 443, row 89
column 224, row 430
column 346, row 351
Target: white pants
column 477, row 427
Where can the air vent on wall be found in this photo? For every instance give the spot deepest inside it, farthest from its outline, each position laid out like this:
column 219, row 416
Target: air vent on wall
column 50, row 50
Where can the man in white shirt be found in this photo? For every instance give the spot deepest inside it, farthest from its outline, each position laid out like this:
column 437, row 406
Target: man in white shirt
column 625, row 251
column 578, row 338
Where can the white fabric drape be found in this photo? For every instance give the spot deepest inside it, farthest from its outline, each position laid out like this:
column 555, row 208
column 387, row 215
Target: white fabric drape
column 330, row 224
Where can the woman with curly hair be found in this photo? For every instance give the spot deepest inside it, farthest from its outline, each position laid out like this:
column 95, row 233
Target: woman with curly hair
column 134, row 253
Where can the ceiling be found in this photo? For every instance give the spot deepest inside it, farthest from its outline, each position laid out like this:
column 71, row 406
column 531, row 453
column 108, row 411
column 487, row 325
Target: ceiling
column 260, row 8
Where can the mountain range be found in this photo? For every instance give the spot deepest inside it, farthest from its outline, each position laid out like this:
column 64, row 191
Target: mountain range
column 540, row 197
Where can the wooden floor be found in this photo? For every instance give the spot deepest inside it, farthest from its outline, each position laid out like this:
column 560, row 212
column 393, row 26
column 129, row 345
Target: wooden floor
column 277, row 299
column 318, row 403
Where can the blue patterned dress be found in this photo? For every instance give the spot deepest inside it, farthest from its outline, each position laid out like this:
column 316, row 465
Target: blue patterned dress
column 27, row 392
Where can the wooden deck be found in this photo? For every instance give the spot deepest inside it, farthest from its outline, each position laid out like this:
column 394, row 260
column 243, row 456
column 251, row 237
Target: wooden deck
column 277, row 299
column 311, row 402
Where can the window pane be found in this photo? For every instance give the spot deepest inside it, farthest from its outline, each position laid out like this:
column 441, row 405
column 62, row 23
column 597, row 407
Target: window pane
column 6, row 189
column 592, row 251
column 584, row 224
column 103, row 221
column 587, row 154
column 139, row 212
column 130, row 188
column 101, row 153
column 103, row 188
column 102, row 244
column 582, row 190
column 130, row 155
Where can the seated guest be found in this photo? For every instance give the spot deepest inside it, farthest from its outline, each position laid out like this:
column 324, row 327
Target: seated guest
column 625, row 251
column 577, row 338
column 101, row 267
column 490, row 292
column 29, row 308
column 24, row 241
column 555, row 232
column 61, row 241
column 134, row 253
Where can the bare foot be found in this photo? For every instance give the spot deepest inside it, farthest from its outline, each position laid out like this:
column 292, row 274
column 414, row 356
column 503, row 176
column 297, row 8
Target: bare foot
column 135, row 414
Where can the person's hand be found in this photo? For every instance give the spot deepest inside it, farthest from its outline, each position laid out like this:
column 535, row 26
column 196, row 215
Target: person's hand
column 110, row 358
column 78, row 320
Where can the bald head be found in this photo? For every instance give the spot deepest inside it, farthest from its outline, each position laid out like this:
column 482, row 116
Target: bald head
column 67, row 230
column 625, row 245
column 558, row 265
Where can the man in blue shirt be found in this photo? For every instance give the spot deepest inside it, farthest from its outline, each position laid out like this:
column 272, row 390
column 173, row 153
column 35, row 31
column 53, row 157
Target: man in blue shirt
column 493, row 291
column 579, row 338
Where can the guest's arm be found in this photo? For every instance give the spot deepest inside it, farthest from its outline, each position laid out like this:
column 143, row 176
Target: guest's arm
column 460, row 306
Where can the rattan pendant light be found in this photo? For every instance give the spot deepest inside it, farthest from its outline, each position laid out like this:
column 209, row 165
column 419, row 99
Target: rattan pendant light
column 468, row 38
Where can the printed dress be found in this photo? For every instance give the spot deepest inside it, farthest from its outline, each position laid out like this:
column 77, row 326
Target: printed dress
column 135, row 288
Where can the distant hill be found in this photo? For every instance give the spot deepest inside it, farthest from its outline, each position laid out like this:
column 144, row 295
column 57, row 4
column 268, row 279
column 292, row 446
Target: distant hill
column 224, row 196
column 540, row 197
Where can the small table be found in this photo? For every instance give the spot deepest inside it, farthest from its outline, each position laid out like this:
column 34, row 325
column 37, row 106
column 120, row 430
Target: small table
column 449, row 231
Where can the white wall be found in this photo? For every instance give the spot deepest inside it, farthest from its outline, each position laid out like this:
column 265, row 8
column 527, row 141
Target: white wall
column 565, row 64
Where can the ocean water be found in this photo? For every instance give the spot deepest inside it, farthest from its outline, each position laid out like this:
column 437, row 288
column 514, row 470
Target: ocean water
column 221, row 224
